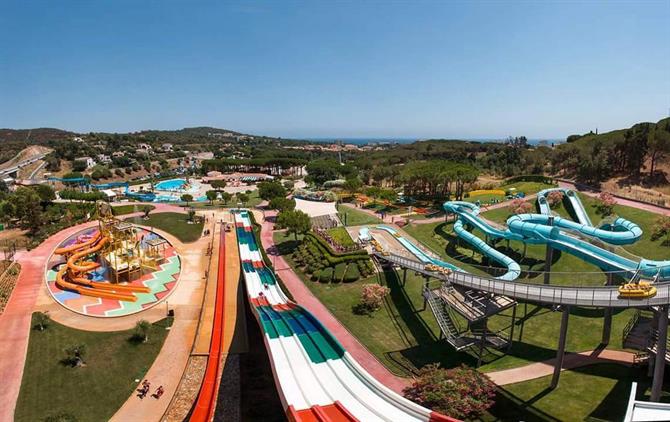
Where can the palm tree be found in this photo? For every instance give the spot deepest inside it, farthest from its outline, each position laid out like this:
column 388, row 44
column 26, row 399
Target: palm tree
column 142, row 328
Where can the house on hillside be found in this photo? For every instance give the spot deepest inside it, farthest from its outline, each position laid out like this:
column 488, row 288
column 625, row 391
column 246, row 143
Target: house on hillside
column 88, row 160
column 104, row 158
column 167, row 147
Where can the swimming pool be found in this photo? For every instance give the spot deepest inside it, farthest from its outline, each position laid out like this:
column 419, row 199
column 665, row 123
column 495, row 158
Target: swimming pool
column 171, row 185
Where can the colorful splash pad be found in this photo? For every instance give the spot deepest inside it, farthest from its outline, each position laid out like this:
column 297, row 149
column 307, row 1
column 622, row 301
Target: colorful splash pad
column 160, row 280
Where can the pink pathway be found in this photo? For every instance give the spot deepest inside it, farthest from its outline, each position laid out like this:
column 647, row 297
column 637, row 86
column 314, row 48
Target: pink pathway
column 620, row 200
column 305, row 298
column 15, row 320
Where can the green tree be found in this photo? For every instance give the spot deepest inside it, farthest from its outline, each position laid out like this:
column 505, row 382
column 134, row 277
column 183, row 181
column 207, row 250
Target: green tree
column 226, row 197
column 243, row 198
column 321, row 171
column 352, row 185
column 282, row 204
column 295, row 222
column 218, row 184
column 75, row 355
column 658, row 144
column 42, row 320
column 188, row 198
column 27, row 207
column 270, row 190
column 142, row 328
column 373, row 192
column 79, row 165
column 146, row 210
column 211, row 196
column 45, row 192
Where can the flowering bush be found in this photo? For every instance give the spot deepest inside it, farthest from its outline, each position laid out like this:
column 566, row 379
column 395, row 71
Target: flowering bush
column 373, row 295
column 662, row 229
column 606, row 203
column 519, row 206
column 462, row 392
column 555, row 198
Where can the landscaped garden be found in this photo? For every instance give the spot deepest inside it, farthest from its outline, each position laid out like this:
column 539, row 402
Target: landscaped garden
column 86, row 375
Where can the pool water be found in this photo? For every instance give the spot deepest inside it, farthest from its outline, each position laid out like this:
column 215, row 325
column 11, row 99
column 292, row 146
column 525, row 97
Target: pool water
column 172, row 185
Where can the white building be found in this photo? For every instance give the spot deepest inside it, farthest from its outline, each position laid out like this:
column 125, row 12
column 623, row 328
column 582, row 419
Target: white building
column 167, row 147
column 88, row 160
column 104, row 158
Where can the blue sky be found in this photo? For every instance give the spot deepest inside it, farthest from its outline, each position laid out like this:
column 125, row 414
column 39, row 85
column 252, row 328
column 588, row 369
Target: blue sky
column 335, row 69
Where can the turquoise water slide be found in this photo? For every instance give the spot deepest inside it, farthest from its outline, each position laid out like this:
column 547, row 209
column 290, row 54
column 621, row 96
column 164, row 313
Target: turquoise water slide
column 535, row 229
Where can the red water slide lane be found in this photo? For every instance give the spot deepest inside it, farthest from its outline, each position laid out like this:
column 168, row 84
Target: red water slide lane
column 330, row 413
column 203, row 410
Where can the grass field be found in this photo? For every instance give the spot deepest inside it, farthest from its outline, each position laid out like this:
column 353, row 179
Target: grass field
column 129, row 209
column 353, row 217
column 93, row 392
column 595, row 392
column 174, row 223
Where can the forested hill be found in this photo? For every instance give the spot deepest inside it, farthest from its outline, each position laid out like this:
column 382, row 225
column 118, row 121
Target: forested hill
column 38, row 135
column 635, row 152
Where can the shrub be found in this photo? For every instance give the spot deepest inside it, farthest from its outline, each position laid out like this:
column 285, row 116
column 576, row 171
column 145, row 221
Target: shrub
column 42, row 320
column 338, row 274
column 530, row 178
column 662, row 229
column 519, row 206
column 606, row 203
column 462, row 392
column 555, row 198
column 372, row 296
column 352, row 274
column 74, row 355
column 326, row 275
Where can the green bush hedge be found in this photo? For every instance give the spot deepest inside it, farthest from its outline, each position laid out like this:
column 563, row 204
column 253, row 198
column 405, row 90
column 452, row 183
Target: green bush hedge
column 326, row 275
column 352, row 274
column 338, row 274
column 538, row 178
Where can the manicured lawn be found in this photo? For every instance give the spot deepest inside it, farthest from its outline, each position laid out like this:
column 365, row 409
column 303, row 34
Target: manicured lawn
column 129, row 209
column 341, row 236
column 595, row 392
column 90, row 393
column 174, row 223
column 528, row 188
column 353, row 217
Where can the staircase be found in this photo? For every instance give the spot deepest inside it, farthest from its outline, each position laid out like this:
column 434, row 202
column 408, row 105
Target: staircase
column 446, row 322
column 637, row 333
column 653, row 344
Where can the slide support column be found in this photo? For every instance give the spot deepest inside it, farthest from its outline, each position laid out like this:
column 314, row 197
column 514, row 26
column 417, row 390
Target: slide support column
column 549, row 256
column 511, row 330
column 560, row 352
column 404, row 276
column 661, row 348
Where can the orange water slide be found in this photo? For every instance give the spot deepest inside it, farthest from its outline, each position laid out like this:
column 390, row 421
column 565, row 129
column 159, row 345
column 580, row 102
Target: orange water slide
column 84, row 286
column 203, row 409
column 69, row 249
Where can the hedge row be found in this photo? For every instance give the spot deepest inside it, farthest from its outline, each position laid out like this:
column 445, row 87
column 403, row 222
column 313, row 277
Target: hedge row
column 325, row 244
column 538, row 178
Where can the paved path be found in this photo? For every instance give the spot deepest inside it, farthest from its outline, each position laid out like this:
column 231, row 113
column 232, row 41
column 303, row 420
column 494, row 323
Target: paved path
column 305, row 298
column 571, row 361
column 621, row 201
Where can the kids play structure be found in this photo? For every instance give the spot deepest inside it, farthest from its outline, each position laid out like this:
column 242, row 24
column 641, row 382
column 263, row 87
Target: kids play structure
column 474, row 298
column 316, row 378
column 83, row 181
column 115, row 247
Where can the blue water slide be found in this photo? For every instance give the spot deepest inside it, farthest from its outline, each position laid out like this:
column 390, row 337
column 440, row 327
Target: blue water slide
column 111, row 185
column 620, row 232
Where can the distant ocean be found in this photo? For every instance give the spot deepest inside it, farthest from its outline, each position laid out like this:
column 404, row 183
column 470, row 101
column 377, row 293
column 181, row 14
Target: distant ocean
column 365, row 141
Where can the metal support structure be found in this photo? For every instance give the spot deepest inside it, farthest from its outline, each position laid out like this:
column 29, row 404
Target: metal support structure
column 549, row 256
column 404, row 276
column 511, row 330
column 482, row 341
column 661, row 348
column 560, row 351
column 607, row 327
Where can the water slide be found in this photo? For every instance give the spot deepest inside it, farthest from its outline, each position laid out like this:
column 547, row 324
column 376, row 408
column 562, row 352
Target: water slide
column 535, row 229
column 205, row 405
column 72, row 275
column 317, row 379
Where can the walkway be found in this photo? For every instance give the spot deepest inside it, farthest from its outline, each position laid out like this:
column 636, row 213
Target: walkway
column 571, row 361
column 620, row 200
column 305, row 298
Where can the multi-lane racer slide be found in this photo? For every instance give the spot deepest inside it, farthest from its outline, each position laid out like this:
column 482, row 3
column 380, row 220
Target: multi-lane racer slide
column 316, row 378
